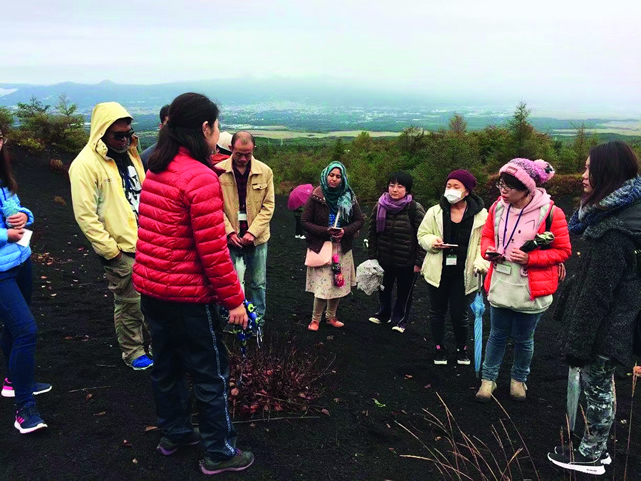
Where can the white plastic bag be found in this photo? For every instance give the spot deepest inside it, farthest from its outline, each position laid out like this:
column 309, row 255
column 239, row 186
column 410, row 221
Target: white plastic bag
column 369, row 276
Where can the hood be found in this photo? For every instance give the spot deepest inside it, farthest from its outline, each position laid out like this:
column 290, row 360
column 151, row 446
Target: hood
column 541, row 198
column 628, row 222
column 103, row 115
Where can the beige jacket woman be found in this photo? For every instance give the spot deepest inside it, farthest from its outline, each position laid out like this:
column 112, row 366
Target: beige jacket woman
column 432, row 228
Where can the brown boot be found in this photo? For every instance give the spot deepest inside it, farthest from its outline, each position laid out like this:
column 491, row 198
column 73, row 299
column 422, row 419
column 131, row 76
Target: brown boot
column 484, row 393
column 517, row 390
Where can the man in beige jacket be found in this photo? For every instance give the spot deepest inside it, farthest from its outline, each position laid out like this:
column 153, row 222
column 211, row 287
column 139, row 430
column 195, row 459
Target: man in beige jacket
column 106, row 179
column 248, row 192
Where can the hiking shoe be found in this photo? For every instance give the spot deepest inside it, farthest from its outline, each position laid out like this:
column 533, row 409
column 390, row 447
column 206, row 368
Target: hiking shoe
column 461, row 357
column 28, row 419
column 38, row 388
column 168, row 447
column 399, row 328
column 335, row 322
column 241, row 460
column 313, row 326
column 142, row 363
column 440, row 358
column 575, row 461
column 517, row 390
column 484, row 393
column 605, row 456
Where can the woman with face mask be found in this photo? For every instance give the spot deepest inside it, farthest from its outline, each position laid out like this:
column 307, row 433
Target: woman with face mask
column 451, row 235
column 526, row 238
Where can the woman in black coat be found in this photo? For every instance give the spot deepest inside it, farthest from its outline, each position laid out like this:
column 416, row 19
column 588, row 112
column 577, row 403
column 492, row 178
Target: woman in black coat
column 599, row 306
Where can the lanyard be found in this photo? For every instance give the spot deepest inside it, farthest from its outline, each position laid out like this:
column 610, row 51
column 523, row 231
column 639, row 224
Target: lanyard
column 507, row 218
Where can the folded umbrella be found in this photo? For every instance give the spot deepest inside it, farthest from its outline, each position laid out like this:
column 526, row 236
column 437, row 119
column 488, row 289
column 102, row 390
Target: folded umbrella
column 478, row 308
column 298, row 197
column 574, row 392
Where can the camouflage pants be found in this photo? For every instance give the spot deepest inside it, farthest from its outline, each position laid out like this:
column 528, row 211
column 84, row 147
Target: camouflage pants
column 597, row 380
column 128, row 318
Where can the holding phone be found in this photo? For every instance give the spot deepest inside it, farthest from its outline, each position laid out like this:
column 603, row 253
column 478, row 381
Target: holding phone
column 493, row 256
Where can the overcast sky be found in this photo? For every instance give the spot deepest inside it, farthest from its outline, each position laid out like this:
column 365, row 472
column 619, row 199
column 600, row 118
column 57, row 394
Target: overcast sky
column 561, row 50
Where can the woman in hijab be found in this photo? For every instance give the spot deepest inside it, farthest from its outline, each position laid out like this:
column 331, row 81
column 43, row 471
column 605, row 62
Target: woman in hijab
column 331, row 214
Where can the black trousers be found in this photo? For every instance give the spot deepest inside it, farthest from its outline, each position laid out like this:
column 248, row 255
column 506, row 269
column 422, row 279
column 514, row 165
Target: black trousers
column 450, row 292
column 299, row 225
column 405, row 278
column 188, row 338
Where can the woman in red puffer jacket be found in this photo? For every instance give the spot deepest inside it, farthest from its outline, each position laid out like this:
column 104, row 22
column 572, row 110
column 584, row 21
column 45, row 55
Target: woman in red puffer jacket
column 183, row 270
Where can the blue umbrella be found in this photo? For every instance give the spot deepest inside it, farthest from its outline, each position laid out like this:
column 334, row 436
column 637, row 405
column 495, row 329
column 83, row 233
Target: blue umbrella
column 478, row 308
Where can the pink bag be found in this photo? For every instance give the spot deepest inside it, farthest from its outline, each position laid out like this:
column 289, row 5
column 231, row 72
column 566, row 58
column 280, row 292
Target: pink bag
column 322, row 259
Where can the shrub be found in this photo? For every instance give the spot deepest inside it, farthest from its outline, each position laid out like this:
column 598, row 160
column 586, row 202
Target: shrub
column 274, row 379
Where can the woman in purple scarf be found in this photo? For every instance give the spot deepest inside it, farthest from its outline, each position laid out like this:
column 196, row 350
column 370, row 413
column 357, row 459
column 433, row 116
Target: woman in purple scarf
column 392, row 241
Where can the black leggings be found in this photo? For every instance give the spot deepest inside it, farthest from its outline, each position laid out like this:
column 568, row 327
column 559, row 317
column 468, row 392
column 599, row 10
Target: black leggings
column 450, row 291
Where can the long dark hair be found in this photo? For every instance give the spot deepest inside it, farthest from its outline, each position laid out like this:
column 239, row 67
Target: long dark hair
column 187, row 113
column 611, row 164
column 6, row 174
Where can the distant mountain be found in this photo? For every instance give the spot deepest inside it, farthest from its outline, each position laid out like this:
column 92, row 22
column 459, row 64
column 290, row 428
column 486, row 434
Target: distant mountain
column 229, row 92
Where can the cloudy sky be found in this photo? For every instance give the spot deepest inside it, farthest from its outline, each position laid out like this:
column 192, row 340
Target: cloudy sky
column 561, row 50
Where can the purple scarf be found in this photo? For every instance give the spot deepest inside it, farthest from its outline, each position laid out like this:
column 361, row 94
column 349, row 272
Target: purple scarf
column 391, row 205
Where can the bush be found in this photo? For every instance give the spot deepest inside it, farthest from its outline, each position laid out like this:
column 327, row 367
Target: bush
column 275, row 379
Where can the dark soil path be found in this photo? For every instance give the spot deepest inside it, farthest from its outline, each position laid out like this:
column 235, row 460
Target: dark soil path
column 380, row 378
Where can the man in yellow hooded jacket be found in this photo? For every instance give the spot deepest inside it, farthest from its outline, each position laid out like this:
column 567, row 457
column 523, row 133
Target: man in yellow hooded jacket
column 106, row 179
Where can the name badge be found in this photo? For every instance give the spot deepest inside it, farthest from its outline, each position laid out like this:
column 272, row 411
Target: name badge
column 242, row 217
column 503, row 269
column 450, row 260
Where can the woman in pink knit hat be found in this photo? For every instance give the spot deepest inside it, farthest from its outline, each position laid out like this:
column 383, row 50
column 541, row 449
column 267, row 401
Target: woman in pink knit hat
column 525, row 237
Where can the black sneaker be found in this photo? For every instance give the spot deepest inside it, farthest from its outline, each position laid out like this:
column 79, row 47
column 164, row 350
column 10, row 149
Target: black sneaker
column 575, row 461
column 461, row 357
column 38, row 388
column 440, row 358
column 168, row 447
column 242, row 460
column 605, row 456
column 28, row 420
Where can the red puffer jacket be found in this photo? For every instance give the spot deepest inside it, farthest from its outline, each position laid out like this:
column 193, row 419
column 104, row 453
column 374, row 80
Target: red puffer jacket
column 182, row 253
column 542, row 266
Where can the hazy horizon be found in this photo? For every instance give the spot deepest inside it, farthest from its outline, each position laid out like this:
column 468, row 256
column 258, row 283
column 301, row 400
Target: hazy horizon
column 555, row 54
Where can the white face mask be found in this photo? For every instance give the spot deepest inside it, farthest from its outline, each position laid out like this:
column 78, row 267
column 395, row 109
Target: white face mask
column 453, row 195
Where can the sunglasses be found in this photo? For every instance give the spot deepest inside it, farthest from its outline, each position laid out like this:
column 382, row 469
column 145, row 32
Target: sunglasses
column 123, row 135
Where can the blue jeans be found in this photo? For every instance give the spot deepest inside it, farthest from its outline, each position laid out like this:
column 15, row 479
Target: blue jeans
column 188, row 338
column 521, row 326
column 252, row 261
column 19, row 331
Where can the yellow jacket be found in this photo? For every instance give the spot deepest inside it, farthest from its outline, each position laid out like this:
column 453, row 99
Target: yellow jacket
column 99, row 203
column 259, row 202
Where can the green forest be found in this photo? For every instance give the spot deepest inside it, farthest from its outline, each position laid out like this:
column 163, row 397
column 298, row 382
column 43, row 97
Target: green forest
column 428, row 155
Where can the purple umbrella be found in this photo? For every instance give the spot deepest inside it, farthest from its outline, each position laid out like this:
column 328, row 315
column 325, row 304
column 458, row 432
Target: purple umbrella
column 298, row 197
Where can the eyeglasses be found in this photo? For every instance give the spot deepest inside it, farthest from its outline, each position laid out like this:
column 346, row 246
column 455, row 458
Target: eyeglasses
column 123, row 135
column 503, row 187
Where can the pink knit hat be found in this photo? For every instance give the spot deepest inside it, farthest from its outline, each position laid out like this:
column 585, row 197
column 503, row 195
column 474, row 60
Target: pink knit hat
column 530, row 172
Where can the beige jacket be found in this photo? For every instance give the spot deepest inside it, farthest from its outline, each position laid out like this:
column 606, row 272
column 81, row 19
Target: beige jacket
column 260, row 199
column 99, row 202
column 430, row 229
